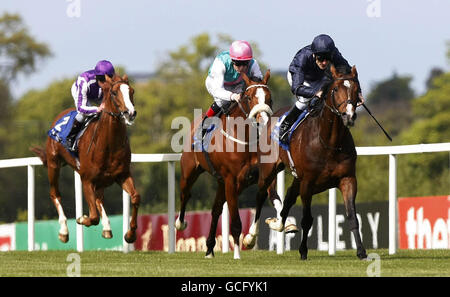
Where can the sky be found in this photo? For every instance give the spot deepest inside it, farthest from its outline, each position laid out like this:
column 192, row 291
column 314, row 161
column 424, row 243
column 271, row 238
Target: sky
column 380, row 37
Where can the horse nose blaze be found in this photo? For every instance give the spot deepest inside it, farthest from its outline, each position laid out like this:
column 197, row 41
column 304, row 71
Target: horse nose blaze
column 125, row 89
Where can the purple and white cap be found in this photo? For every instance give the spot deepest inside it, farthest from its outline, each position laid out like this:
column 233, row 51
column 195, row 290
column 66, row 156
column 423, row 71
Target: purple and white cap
column 104, row 67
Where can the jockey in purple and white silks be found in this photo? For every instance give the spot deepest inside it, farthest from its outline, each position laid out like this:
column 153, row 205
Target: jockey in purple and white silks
column 224, row 81
column 86, row 92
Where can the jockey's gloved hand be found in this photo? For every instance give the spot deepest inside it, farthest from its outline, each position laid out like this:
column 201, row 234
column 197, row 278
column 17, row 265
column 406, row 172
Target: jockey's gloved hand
column 361, row 99
column 236, row 97
column 314, row 102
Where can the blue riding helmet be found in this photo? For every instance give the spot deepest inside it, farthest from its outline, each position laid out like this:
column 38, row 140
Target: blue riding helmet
column 104, row 67
column 323, row 44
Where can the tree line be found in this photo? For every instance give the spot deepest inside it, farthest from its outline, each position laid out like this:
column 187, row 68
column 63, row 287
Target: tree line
column 176, row 89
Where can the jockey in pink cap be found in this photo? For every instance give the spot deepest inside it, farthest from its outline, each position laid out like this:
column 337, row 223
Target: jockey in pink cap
column 224, row 81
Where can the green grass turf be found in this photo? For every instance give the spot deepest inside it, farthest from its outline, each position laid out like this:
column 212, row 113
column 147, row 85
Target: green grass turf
column 252, row 263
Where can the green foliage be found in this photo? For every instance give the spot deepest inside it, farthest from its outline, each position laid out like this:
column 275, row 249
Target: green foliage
column 177, row 89
column 19, row 51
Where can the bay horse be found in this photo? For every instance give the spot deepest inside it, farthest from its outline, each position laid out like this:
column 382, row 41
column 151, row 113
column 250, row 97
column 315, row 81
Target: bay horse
column 104, row 158
column 232, row 162
column 323, row 156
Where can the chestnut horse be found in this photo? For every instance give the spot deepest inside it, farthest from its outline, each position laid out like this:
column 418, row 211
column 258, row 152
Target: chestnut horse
column 323, row 156
column 232, row 160
column 104, row 158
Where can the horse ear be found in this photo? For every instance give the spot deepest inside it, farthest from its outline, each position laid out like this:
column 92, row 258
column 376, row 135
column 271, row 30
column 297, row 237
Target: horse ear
column 333, row 71
column 125, row 78
column 266, row 77
column 245, row 78
column 354, row 72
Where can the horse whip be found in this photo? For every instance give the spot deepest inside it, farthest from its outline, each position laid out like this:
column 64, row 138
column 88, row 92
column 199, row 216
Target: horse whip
column 379, row 125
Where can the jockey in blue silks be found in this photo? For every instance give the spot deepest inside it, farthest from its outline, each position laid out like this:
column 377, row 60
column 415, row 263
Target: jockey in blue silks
column 85, row 91
column 307, row 76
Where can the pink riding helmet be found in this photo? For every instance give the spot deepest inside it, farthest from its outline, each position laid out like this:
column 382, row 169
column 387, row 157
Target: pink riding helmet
column 241, row 50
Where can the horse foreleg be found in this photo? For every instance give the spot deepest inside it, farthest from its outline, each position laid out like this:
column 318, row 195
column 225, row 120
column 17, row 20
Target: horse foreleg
column 232, row 201
column 215, row 214
column 348, row 189
column 307, row 219
column 90, row 197
column 261, row 196
column 106, row 233
column 250, row 239
column 128, row 186
column 290, row 199
column 55, row 196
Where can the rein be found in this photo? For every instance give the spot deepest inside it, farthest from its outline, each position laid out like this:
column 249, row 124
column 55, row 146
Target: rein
column 120, row 113
column 251, row 113
column 335, row 109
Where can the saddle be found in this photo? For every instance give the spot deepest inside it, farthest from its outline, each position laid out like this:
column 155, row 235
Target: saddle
column 308, row 112
column 62, row 127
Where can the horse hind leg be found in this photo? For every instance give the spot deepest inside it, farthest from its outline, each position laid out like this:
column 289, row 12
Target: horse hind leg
column 55, row 196
column 188, row 177
column 128, row 186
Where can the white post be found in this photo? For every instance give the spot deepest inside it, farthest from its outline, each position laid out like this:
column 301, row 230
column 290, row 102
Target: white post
column 171, row 206
column 79, row 211
column 30, row 208
column 392, row 204
column 125, row 220
column 332, row 221
column 225, row 228
column 280, row 192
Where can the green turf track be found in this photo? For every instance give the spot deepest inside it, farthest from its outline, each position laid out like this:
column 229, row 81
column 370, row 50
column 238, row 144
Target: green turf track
column 252, row 263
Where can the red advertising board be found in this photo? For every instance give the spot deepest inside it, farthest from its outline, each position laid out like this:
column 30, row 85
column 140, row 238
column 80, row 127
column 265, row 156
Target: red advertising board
column 152, row 232
column 424, row 222
column 7, row 237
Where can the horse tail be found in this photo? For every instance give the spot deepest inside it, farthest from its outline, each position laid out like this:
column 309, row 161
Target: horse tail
column 40, row 152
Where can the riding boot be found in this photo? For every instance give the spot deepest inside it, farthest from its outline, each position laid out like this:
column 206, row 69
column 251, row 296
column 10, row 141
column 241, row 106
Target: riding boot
column 288, row 121
column 203, row 127
column 212, row 111
column 70, row 139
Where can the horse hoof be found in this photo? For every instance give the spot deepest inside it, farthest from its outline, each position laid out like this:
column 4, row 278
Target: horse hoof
column 291, row 228
column 303, row 257
column 362, row 256
column 249, row 241
column 180, row 226
column 63, row 237
column 130, row 238
column 107, row 234
column 209, row 255
column 275, row 224
column 81, row 219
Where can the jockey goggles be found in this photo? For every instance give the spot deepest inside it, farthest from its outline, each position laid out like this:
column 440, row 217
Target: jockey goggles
column 323, row 57
column 241, row 63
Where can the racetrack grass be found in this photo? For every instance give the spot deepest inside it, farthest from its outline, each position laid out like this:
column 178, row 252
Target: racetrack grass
column 251, row 264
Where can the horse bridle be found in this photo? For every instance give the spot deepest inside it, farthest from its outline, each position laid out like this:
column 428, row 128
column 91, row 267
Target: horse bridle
column 247, row 98
column 113, row 95
column 335, row 109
